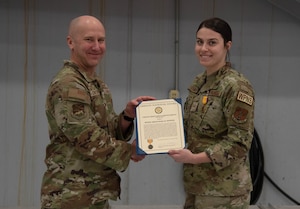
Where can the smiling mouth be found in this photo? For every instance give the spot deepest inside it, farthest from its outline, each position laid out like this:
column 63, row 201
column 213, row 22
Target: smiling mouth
column 95, row 55
column 205, row 55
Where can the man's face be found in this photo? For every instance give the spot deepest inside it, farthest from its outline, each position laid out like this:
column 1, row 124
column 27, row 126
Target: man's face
column 87, row 44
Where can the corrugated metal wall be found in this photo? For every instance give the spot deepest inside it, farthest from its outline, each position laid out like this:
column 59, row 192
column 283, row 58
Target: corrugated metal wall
column 140, row 60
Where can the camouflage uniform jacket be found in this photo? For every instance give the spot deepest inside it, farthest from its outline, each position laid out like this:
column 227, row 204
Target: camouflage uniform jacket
column 218, row 119
column 87, row 146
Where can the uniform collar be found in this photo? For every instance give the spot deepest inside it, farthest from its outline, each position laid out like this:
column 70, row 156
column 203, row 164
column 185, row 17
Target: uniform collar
column 81, row 71
column 201, row 79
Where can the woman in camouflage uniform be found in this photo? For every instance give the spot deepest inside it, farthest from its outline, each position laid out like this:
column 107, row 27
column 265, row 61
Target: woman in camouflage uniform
column 218, row 120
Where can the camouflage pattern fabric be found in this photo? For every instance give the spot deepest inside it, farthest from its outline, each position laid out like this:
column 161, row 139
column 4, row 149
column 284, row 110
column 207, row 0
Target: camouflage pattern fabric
column 217, row 202
column 218, row 119
column 87, row 146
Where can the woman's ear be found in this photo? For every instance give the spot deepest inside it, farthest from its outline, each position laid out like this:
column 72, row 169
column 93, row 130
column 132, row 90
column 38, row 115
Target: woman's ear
column 228, row 45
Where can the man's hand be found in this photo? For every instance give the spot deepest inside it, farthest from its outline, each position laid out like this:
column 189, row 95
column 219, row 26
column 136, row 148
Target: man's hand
column 131, row 105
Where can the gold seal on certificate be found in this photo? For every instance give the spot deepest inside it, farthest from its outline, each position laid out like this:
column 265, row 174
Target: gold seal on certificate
column 159, row 126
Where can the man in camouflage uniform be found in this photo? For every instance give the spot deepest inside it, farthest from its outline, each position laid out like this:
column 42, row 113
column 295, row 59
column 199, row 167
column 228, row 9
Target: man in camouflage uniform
column 88, row 139
column 218, row 120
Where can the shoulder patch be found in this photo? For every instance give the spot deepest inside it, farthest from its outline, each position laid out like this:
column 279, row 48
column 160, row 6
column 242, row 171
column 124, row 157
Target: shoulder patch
column 243, row 97
column 240, row 115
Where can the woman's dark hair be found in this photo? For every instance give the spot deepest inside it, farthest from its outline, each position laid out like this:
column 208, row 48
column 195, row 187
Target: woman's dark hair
column 218, row 25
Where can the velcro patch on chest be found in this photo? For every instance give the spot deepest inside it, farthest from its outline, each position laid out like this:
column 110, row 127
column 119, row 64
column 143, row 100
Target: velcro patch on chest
column 243, row 97
column 214, row 93
column 78, row 94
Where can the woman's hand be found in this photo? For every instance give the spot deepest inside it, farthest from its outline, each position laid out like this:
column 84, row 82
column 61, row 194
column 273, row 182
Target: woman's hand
column 186, row 156
column 181, row 155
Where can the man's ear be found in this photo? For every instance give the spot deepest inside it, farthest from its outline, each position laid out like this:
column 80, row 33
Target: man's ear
column 70, row 42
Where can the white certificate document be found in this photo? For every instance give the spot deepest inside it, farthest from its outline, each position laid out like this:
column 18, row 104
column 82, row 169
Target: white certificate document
column 159, row 126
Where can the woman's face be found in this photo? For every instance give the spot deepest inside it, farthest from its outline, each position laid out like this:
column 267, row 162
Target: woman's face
column 210, row 49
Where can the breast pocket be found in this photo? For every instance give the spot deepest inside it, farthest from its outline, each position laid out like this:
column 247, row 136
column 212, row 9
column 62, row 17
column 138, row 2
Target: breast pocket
column 209, row 118
column 213, row 112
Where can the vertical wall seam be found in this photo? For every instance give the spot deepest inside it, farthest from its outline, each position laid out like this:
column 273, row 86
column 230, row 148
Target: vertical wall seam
column 22, row 160
column 214, row 8
column 5, row 128
column 242, row 35
column 269, row 67
column 129, row 50
column 34, row 87
column 102, row 18
column 177, row 13
column 129, row 70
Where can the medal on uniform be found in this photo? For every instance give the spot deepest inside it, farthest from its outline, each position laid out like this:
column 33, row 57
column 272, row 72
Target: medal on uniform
column 204, row 99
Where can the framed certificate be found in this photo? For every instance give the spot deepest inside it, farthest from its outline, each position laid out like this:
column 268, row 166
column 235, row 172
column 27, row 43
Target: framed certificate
column 159, row 126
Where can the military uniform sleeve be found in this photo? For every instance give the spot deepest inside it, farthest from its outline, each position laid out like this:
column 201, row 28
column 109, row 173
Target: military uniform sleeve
column 76, row 119
column 239, row 115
